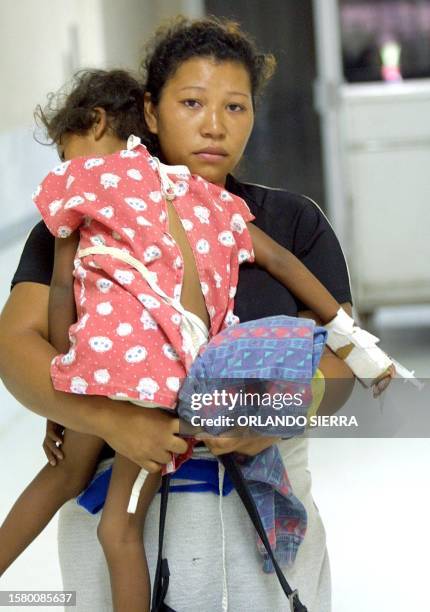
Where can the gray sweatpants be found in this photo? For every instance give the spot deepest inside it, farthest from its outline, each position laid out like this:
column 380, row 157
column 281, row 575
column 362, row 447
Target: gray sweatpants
column 194, row 548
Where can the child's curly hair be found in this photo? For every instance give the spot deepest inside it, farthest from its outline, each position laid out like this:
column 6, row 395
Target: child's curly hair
column 71, row 110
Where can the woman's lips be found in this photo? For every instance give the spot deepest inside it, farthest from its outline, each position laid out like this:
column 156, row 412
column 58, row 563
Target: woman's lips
column 211, row 155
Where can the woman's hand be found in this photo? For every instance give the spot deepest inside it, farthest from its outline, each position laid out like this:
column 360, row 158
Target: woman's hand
column 249, row 445
column 147, row 436
column 53, row 440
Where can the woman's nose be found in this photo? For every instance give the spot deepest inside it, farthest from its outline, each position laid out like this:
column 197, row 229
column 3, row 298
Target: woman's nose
column 213, row 124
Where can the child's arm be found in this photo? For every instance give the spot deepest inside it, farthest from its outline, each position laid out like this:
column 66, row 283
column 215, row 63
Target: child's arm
column 62, row 309
column 355, row 346
column 287, row 269
column 61, row 315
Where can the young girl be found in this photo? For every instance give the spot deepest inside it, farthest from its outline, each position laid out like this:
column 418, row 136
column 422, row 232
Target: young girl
column 155, row 277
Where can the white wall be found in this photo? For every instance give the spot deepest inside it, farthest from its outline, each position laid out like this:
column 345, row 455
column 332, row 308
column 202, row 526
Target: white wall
column 41, row 45
column 33, row 55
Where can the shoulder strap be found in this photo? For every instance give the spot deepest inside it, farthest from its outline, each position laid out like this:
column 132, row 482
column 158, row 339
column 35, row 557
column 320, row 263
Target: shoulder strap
column 244, row 493
column 162, row 573
column 161, row 580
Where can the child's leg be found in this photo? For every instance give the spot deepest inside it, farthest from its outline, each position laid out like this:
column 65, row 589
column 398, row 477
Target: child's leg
column 52, row 487
column 121, row 536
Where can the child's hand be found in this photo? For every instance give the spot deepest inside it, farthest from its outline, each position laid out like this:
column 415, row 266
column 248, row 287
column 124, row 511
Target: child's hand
column 383, row 383
column 54, row 435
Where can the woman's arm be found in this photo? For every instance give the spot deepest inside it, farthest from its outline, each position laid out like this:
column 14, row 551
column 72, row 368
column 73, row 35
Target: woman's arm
column 339, row 378
column 61, row 308
column 339, row 385
column 145, row 436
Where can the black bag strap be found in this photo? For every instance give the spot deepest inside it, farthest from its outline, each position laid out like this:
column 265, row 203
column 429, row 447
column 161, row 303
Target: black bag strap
column 162, row 573
column 161, row 580
column 244, row 493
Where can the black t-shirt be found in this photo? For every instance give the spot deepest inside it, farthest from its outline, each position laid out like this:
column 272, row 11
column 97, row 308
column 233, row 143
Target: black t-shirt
column 293, row 220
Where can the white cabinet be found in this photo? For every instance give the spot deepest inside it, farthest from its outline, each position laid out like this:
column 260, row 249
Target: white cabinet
column 376, row 157
column 386, row 149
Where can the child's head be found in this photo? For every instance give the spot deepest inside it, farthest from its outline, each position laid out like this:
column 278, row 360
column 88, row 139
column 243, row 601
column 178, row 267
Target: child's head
column 110, row 101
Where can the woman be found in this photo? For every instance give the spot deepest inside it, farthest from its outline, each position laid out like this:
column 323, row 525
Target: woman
column 202, row 79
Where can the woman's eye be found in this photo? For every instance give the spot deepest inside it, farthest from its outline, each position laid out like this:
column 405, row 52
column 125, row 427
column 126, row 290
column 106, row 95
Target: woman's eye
column 236, row 107
column 191, row 103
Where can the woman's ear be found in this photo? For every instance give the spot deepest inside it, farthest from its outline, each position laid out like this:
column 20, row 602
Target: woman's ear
column 150, row 111
column 100, row 124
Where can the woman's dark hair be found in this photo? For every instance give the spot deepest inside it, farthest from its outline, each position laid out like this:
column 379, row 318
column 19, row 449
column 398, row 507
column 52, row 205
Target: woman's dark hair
column 116, row 91
column 181, row 39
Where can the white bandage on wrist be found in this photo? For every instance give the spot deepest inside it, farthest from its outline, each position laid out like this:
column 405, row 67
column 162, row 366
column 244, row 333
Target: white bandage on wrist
column 366, row 360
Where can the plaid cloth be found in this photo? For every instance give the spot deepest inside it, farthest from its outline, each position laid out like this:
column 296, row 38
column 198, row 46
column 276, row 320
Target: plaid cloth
column 268, row 356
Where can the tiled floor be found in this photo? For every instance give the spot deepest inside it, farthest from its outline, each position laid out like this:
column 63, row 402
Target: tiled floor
column 373, row 494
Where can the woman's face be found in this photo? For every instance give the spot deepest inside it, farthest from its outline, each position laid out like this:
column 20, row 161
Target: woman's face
column 204, row 117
